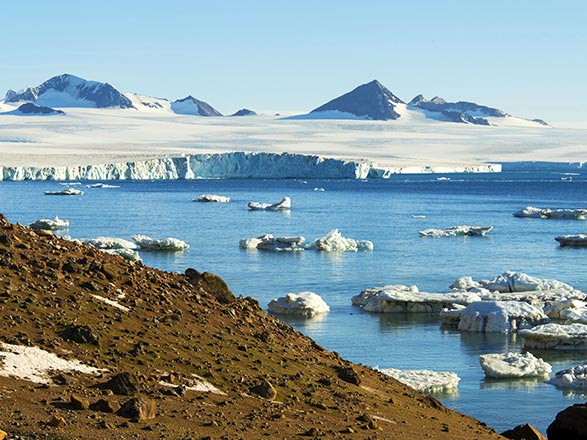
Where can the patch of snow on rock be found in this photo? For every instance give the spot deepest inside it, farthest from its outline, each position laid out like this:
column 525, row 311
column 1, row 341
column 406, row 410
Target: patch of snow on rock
column 514, row 365
column 307, row 304
column 35, row 364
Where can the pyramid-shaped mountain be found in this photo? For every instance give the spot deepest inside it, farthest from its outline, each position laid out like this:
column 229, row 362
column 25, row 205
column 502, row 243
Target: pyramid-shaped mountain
column 370, row 101
column 71, row 91
column 192, row 106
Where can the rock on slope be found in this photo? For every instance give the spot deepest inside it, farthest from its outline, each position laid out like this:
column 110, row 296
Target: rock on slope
column 171, row 332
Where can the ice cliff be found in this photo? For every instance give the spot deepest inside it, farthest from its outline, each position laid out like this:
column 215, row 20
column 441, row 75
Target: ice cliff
column 225, row 165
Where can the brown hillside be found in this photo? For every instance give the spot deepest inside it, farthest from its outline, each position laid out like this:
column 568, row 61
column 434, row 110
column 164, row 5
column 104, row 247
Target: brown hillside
column 276, row 382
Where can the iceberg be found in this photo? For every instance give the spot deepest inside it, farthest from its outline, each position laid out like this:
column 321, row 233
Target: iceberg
column 575, row 315
column 283, row 205
column 500, row 316
column 425, row 381
column 559, row 309
column 457, row 231
column 50, row 224
column 333, row 241
column 574, row 378
column 101, row 185
column 391, row 299
column 547, row 213
column 127, row 254
column 307, row 304
column 510, row 365
column 164, row 244
column 577, row 240
column 65, row 192
column 212, row 198
column 556, row 337
column 268, row 242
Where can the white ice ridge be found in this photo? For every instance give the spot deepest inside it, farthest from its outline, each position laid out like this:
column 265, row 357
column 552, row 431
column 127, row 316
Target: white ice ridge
column 35, row 364
column 512, row 282
column 220, row 165
column 425, row 381
column 50, row 224
column 457, row 231
column 333, row 241
column 574, row 378
column 547, row 213
column 163, row 244
column 212, row 198
column 556, row 337
column 511, row 365
column 307, row 304
column 283, row 205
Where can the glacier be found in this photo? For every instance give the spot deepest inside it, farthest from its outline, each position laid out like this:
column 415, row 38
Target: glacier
column 236, row 165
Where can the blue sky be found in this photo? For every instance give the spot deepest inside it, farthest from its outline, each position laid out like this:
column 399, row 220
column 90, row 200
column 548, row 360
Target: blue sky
column 528, row 58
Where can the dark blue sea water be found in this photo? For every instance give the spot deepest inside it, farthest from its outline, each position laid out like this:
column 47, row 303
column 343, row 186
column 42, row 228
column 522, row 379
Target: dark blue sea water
column 378, row 210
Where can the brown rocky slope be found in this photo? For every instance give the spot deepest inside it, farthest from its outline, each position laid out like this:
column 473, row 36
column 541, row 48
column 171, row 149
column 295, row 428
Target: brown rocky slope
column 178, row 330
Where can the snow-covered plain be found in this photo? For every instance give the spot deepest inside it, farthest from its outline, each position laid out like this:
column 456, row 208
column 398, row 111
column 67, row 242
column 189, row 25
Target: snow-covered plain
column 85, row 136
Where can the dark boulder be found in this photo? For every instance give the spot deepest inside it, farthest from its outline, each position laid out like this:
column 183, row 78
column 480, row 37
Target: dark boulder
column 570, row 423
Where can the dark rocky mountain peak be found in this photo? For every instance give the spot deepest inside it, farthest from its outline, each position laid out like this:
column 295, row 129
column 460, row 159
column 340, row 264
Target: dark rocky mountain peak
column 371, row 100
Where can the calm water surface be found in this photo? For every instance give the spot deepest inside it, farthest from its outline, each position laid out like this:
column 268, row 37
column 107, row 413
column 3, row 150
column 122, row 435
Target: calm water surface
column 381, row 211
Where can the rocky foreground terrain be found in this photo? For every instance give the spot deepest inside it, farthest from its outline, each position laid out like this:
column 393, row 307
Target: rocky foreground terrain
column 180, row 357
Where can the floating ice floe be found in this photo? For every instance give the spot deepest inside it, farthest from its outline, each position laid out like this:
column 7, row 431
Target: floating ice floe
column 48, row 224
column 101, row 185
column 457, row 231
column 500, row 316
column 283, row 205
column 425, row 381
column 307, row 304
column 333, row 241
column 402, row 299
column 212, row 198
column 269, row 242
column 577, row 240
column 65, row 192
column 547, row 213
column 451, row 317
column 162, row 244
column 556, row 337
column 574, row 378
column 114, row 246
column 510, row 365
column 514, row 282
column 36, row 365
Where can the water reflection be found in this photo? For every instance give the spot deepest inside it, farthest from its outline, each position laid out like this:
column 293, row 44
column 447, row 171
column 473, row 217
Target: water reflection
column 526, row 383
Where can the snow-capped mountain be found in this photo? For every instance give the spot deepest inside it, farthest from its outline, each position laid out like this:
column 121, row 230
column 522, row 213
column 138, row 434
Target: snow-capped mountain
column 192, row 106
column 71, row 91
column 373, row 101
column 368, row 101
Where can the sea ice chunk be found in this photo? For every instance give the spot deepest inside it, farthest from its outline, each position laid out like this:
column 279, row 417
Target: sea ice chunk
column 574, row 378
column 575, row 315
column 425, row 381
column 333, row 241
column 306, row 304
column 577, row 240
column 547, row 213
column 500, row 316
column 212, row 198
column 390, row 299
column 271, row 243
column 556, row 309
column 556, row 337
column 514, row 365
column 520, row 282
column 283, row 205
column 109, row 243
column 65, row 192
column 48, row 224
column 163, row 244
column 457, row 231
